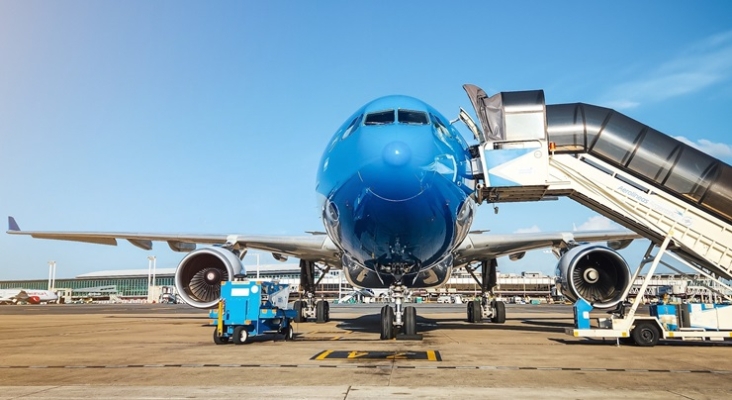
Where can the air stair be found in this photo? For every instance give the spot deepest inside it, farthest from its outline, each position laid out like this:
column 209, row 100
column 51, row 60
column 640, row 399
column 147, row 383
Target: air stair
column 635, row 175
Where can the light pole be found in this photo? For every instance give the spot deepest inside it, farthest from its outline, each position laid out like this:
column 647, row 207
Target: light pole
column 257, row 255
column 51, row 275
column 150, row 276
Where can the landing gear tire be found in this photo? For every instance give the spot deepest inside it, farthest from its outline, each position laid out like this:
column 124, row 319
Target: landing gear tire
column 471, row 318
column 298, row 306
column 387, row 323
column 240, row 335
column 322, row 312
column 219, row 339
column 646, row 334
column 410, row 321
column 289, row 332
column 499, row 312
column 477, row 311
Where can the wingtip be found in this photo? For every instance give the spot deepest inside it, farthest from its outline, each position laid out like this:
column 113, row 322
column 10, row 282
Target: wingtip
column 12, row 225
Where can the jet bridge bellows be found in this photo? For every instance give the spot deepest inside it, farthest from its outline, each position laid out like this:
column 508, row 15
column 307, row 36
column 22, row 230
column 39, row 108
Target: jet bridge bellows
column 635, row 175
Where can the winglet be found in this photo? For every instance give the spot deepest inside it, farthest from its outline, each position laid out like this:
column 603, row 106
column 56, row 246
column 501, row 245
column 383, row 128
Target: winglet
column 12, row 225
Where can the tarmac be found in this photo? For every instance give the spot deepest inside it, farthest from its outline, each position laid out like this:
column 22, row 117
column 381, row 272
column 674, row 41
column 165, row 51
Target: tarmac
column 158, row 351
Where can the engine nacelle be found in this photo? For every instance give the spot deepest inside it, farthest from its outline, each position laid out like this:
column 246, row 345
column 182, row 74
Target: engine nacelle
column 594, row 273
column 200, row 273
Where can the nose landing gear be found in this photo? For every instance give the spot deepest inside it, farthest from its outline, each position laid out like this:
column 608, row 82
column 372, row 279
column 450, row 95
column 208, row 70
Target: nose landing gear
column 399, row 322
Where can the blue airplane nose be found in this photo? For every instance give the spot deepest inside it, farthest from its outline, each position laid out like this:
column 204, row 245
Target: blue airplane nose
column 396, row 154
column 395, row 177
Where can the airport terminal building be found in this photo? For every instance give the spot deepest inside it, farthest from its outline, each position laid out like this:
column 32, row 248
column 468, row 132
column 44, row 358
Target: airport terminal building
column 135, row 285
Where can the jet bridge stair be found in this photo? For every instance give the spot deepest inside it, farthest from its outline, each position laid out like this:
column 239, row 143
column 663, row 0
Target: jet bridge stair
column 635, row 175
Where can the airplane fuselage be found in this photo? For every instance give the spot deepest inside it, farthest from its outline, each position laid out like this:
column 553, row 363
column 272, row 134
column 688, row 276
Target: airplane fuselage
column 30, row 296
column 394, row 184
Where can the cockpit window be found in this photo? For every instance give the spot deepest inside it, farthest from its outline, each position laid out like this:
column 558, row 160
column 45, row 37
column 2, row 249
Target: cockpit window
column 380, row 118
column 352, row 126
column 440, row 127
column 412, row 117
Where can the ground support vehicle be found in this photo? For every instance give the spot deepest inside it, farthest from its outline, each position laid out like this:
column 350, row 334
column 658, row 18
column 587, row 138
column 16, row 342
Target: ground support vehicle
column 249, row 308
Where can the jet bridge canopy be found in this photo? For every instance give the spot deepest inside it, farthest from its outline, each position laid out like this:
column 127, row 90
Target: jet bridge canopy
column 648, row 154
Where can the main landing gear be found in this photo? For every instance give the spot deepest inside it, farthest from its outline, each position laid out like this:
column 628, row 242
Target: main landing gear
column 486, row 307
column 309, row 307
column 398, row 321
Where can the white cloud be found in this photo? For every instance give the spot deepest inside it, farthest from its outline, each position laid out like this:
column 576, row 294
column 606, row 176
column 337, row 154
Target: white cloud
column 533, row 229
column 597, row 223
column 718, row 150
column 705, row 63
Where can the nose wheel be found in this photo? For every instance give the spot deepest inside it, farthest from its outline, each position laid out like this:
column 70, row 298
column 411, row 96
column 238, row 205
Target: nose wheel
column 398, row 322
column 387, row 323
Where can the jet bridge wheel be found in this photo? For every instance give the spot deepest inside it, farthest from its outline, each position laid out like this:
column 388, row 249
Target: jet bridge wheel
column 387, row 323
column 645, row 334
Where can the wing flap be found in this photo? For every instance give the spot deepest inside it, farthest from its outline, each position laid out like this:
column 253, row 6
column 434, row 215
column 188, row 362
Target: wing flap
column 181, row 247
column 143, row 244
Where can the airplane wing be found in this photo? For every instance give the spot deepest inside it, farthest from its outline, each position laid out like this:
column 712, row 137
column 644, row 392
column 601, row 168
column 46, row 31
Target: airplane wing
column 320, row 248
column 317, row 248
column 477, row 247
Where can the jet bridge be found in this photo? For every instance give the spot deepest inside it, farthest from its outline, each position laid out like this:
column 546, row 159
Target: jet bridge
column 635, row 175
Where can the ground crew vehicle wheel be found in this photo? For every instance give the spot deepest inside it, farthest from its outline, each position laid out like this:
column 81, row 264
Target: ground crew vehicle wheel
column 219, row 339
column 240, row 335
column 646, row 334
column 499, row 312
column 289, row 333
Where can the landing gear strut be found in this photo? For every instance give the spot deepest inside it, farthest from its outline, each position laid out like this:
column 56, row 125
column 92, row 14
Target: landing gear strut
column 400, row 319
column 486, row 307
column 309, row 307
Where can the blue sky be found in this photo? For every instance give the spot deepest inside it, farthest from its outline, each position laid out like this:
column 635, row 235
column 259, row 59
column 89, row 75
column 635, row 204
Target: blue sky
column 180, row 116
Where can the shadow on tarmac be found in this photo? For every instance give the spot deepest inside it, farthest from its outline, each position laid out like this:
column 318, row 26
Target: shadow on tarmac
column 372, row 324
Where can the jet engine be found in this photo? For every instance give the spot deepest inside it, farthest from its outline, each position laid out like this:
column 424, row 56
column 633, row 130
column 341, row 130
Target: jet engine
column 594, row 273
column 200, row 273
column 33, row 300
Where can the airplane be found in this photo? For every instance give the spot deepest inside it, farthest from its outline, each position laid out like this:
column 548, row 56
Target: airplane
column 396, row 188
column 29, row 296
